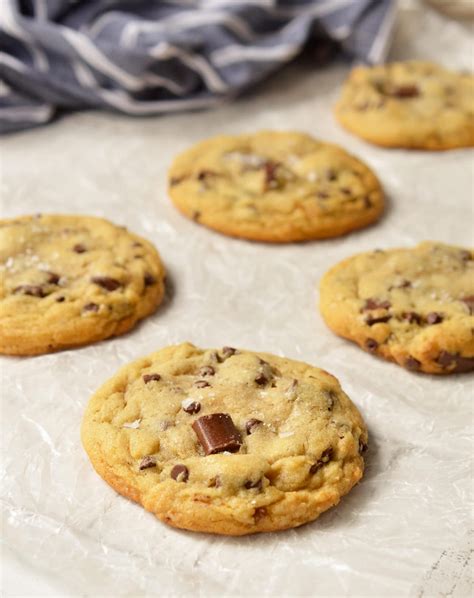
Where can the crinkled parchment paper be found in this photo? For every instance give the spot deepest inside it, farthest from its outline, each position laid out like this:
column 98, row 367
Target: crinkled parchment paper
column 404, row 530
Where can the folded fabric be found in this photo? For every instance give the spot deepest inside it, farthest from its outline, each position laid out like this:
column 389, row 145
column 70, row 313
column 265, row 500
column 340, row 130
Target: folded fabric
column 151, row 57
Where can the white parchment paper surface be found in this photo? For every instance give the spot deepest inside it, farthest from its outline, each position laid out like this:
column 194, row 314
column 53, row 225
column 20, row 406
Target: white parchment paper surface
column 405, row 530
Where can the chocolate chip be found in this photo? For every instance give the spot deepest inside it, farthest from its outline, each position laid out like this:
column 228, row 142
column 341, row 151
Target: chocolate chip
column 217, row 433
column 137, row 244
column 228, row 351
column 196, row 215
column 60, row 299
column 325, row 457
column 31, row 289
column 201, row 384
column 204, row 174
column 405, row 91
column 147, row 462
column 253, row 484
column 322, row 194
column 346, row 191
column 362, row 446
column 270, row 169
column 91, row 307
column 207, row 370
column 193, row 407
column 79, row 248
column 371, row 344
column 368, row 202
column 411, row 317
column 252, row 424
column 461, row 364
column 469, row 301
column 371, row 320
column 434, row 318
column 259, row 513
column 331, row 174
column 412, row 364
column 53, row 278
column 176, row 180
column 180, row 473
column 466, row 256
column 405, row 284
column 261, row 380
column 372, row 303
column 149, row 280
column 151, row 377
column 107, row 283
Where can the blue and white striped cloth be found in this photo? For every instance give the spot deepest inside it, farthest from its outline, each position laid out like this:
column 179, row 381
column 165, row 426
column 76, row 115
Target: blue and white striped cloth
column 143, row 57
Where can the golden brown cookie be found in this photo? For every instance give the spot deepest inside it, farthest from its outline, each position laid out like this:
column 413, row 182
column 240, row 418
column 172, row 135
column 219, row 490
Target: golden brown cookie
column 274, row 186
column 72, row 280
column 226, row 441
column 412, row 306
column 409, row 104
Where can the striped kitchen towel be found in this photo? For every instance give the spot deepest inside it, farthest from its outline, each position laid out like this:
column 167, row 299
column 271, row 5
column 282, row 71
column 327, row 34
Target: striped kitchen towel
column 143, row 57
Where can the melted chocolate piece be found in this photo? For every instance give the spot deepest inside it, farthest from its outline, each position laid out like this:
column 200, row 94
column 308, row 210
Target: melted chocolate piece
column 79, row 248
column 405, row 91
column 325, row 458
column 257, row 484
column 228, row 351
column 372, row 303
column 53, row 278
column 362, row 447
column 180, row 473
column 91, row 307
column 31, row 289
column 466, row 255
column 412, row 364
column 201, row 384
column 107, row 283
column 411, row 317
column 270, row 173
column 60, row 299
column 193, row 407
column 259, row 513
column 147, row 462
column 469, row 301
column 149, row 280
column 217, row 433
column 206, row 370
column 434, row 318
column 461, row 364
column 371, row 320
column 252, row 424
column 371, row 344
column 261, row 379
column 151, row 377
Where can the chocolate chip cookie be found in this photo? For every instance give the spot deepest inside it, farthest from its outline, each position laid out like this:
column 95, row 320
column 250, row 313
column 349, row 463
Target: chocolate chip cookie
column 274, row 186
column 412, row 306
column 72, row 280
column 226, row 441
column 409, row 104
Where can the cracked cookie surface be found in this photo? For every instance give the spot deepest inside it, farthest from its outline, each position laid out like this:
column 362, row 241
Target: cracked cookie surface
column 412, row 306
column 409, row 104
column 225, row 441
column 69, row 280
column 275, row 187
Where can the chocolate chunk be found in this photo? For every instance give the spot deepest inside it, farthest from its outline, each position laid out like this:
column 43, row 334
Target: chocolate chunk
column 149, row 280
column 469, row 301
column 53, row 278
column 228, row 351
column 261, row 380
column 193, row 407
column 147, row 462
column 434, row 318
column 253, row 484
column 60, row 299
column 207, row 370
column 201, row 384
column 31, row 289
column 412, row 364
column 109, row 284
column 461, row 364
column 372, row 303
column 91, row 307
column 259, row 513
column 79, row 248
column 371, row 344
column 411, row 317
column 151, row 377
column 217, row 433
column 371, row 320
column 325, row 458
column 252, row 424
column 180, row 473
column 405, row 91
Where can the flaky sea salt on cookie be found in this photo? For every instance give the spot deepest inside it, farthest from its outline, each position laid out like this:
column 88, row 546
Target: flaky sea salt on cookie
column 71, row 280
column 226, row 441
column 274, row 186
column 412, row 306
column 409, row 104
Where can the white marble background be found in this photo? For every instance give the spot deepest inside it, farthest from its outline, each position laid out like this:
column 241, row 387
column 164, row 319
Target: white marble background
column 405, row 530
